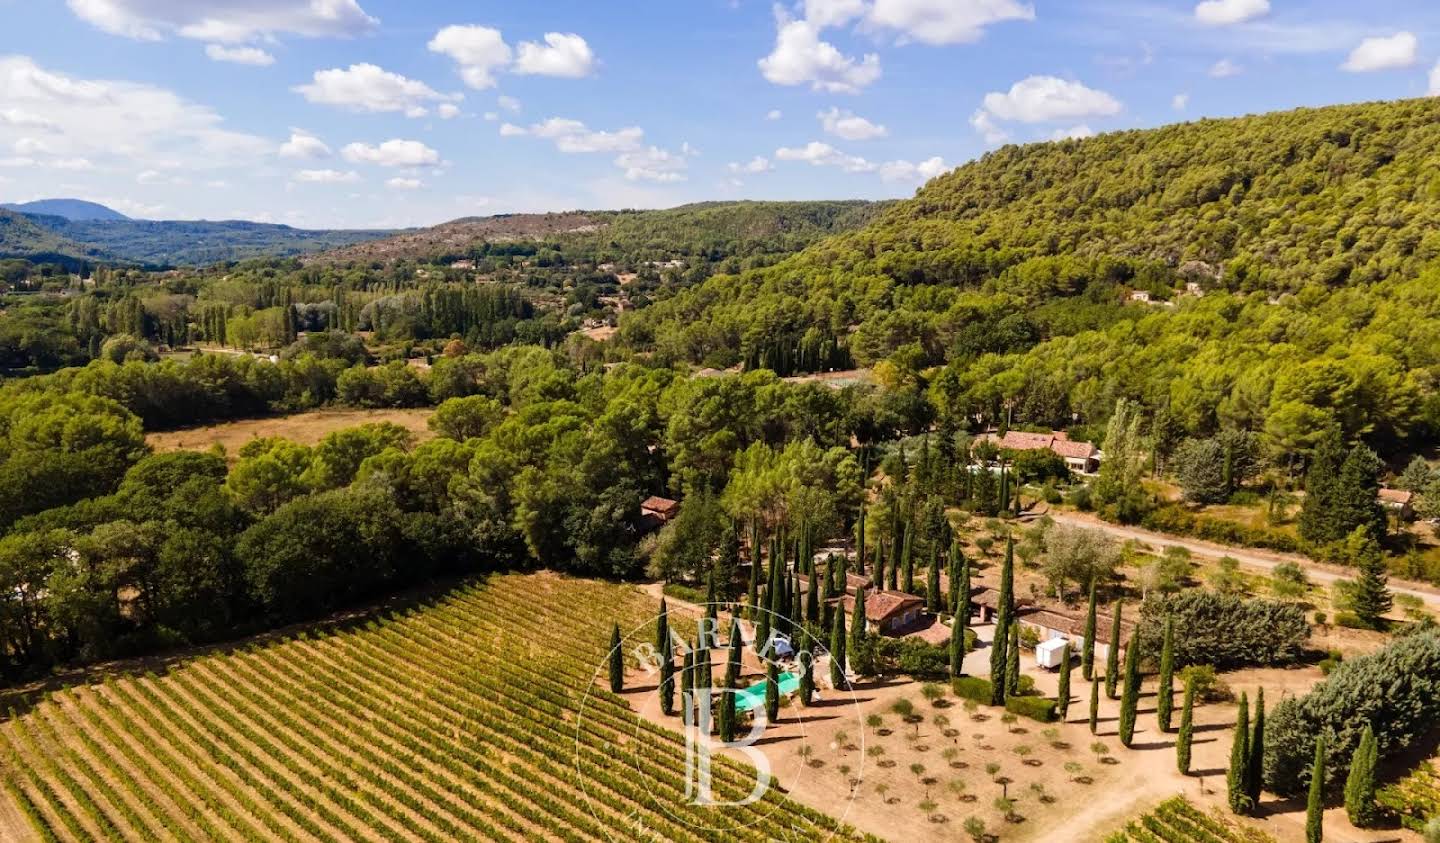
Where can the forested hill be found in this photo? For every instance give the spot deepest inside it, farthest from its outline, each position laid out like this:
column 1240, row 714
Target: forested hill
column 21, row 236
column 1306, row 232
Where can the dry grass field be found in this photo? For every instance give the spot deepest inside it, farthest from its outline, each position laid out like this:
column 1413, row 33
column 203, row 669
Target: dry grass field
column 304, row 428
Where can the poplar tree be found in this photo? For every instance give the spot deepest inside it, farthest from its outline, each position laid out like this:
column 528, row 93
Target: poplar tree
column 1130, row 694
column 1112, row 655
column 1360, row 784
column 1087, row 652
column 998, row 657
column 1315, row 802
column 837, row 651
column 1094, row 707
column 1165, row 696
column 1187, row 728
column 1239, row 760
column 1254, row 773
column 1062, row 696
column 617, row 661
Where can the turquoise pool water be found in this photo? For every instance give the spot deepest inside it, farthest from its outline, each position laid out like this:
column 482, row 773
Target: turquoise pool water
column 753, row 697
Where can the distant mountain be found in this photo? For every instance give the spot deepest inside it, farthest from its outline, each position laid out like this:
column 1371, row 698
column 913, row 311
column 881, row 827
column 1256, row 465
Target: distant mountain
column 23, row 236
column 75, row 210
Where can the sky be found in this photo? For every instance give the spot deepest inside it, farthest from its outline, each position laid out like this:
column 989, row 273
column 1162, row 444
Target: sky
column 397, row 113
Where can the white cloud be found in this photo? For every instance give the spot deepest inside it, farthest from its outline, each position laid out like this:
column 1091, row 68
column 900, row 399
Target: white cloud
column 1224, row 69
column 480, row 51
column 825, row 13
column 1038, row 99
column 448, row 111
column 1073, row 133
column 773, row 114
column 899, row 171
column 819, row 154
column 391, row 153
column 225, row 20
column 157, row 177
column 368, row 88
column 508, row 103
column 987, row 127
column 135, row 126
column 563, row 54
column 1390, row 53
column 1435, row 80
column 302, row 144
column 573, row 136
column 755, row 166
column 327, row 176
column 404, row 184
column 1225, row 12
column 253, row 56
column 800, row 57
column 946, row 21
column 850, row 126
column 653, row 164
column 491, row 116
column 1180, row 102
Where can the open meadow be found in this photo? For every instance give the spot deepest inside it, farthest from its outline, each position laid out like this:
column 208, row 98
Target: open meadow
column 302, row 428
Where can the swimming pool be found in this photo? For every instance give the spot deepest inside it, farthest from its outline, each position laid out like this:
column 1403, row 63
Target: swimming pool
column 753, row 697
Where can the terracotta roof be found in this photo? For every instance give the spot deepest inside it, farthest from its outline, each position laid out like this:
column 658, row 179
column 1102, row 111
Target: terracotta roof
column 658, row 504
column 881, row 606
column 1074, row 624
column 1058, row 441
column 1073, row 450
column 984, row 595
column 1019, row 440
column 1399, row 496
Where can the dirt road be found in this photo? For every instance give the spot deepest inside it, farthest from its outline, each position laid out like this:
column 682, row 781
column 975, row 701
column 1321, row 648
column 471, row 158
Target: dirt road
column 1265, row 560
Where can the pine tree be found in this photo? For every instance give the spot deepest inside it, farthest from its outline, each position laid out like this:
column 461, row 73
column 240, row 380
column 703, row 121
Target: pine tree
column 1094, row 707
column 772, row 690
column 1315, row 803
column 1372, row 589
column 998, row 657
column 1254, row 772
column 1112, row 656
column 1130, row 694
column 1360, row 784
column 1321, row 481
column 617, row 661
column 1012, row 661
column 837, row 651
column 1187, row 728
column 857, row 621
column 1239, row 760
column 1062, row 695
column 1165, row 696
column 1087, row 652
column 932, row 585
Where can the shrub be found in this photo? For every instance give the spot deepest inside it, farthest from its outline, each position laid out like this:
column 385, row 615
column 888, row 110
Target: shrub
column 1225, row 630
column 1350, row 620
column 1173, row 518
column 1208, row 686
column 1395, row 690
column 1035, row 708
column 972, row 688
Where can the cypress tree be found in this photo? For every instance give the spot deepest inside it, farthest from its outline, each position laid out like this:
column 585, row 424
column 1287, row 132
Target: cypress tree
column 1130, row 694
column 812, row 600
column 1112, row 656
column 999, row 659
column 1062, row 695
column 857, row 621
column 667, row 683
column 932, row 585
column 762, row 621
column 1239, row 760
column 617, row 661
column 772, row 690
column 877, row 576
column 1165, row 696
column 712, row 600
column 957, row 645
column 1360, row 784
column 907, row 561
column 960, row 607
column 952, row 572
column 732, row 680
column 1187, row 728
column 687, row 679
column 1012, row 661
column 662, row 632
column 837, row 651
column 1254, row 772
column 1094, row 707
column 1315, row 802
column 1087, row 652
column 860, row 542
column 754, row 573
column 807, row 670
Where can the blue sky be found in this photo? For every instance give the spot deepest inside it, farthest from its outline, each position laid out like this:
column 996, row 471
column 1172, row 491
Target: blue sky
column 328, row 113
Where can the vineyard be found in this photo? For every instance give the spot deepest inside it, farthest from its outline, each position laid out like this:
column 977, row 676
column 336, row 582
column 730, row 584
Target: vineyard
column 1177, row 821
column 470, row 718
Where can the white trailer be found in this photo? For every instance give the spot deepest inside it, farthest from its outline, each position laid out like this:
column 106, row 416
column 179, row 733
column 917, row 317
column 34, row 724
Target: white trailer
column 1048, row 653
